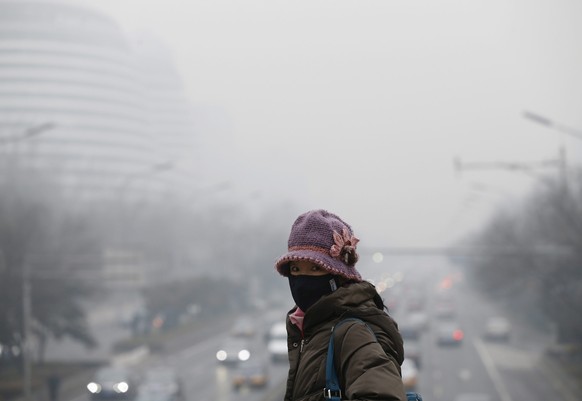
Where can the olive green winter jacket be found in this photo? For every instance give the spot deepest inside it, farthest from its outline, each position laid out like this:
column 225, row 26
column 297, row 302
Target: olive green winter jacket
column 368, row 366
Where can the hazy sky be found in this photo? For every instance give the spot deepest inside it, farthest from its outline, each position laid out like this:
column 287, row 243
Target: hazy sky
column 359, row 107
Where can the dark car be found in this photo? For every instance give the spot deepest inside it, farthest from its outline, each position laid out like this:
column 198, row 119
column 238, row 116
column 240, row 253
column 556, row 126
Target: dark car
column 243, row 327
column 252, row 374
column 449, row 333
column 233, row 351
column 409, row 330
column 112, row 382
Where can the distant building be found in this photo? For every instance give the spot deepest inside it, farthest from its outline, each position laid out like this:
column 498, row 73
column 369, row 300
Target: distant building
column 117, row 119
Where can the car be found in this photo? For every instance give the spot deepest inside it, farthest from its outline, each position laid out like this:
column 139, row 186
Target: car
column 445, row 309
column 419, row 319
column 449, row 333
column 412, row 327
column 161, row 379
column 277, row 342
column 472, row 397
column 412, row 351
column 147, row 393
column 409, row 374
column 252, row 374
column 497, row 328
column 409, row 330
column 112, row 382
column 8, row 352
column 243, row 327
column 415, row 304
column 233, row 351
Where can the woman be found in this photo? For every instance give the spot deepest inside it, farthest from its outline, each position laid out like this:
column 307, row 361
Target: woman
column 326, row 287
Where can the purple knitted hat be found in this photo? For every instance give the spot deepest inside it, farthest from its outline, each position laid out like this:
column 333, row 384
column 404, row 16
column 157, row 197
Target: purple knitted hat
column 322, row 238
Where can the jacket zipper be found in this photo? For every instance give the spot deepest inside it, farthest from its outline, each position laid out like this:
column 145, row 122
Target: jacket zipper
column 298, row 360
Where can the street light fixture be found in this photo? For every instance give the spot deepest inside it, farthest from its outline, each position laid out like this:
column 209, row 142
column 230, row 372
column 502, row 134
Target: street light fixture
column 552, row 124
column 29, row 132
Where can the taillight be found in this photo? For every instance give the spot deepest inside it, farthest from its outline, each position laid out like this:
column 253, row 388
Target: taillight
column 458, row 335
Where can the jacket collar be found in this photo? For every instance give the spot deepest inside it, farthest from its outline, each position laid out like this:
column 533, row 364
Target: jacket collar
column 352, row 299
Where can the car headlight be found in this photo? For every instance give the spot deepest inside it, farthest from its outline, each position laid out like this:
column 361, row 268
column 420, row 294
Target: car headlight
column 244, row 355
column 94, row 388
column 221, row 355
column 121, row 387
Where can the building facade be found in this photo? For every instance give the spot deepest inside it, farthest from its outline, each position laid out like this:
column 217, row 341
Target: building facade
column 80, row 100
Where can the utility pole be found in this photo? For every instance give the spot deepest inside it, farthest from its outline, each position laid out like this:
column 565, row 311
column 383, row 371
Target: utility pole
column 564, row 129
column 26, row 318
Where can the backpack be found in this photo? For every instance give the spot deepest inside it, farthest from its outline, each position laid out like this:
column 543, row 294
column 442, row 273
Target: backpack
column 332, row 391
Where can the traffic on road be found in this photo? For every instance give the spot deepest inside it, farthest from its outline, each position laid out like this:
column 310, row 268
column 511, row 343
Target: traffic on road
column 458, row 346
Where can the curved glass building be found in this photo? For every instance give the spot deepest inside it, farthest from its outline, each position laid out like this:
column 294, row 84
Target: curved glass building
column 80, row 100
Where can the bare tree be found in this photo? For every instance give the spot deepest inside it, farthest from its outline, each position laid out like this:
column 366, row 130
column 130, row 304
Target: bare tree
column 534, row 257
column 44, row 243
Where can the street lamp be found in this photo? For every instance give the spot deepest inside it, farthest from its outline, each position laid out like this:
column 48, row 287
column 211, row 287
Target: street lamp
column 552, row 124
column 29, row 132
column 27, row 317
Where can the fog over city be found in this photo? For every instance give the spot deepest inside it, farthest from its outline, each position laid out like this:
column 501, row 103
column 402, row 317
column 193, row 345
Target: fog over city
column 361, row 107
column 155, row 153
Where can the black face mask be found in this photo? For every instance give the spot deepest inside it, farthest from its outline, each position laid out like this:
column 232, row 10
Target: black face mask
column 306, row 290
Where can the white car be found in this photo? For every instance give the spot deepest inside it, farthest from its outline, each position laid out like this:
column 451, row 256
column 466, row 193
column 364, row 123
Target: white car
column 277, row 342
column 409, row 374
column 497, row 329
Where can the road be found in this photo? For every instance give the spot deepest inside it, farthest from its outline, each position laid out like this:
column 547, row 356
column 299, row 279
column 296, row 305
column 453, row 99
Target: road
column 203, row 376
column 105, row 315
column 476, row 370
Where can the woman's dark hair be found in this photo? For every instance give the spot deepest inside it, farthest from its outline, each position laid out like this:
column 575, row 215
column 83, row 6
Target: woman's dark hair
column 380, row 302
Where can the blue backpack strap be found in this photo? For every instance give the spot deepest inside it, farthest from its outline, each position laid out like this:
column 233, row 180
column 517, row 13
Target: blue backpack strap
column 332, row 391
column 412, row 396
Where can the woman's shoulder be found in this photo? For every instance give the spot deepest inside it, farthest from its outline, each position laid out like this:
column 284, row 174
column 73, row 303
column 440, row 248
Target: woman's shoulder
column 383, row 328
column 353, row 332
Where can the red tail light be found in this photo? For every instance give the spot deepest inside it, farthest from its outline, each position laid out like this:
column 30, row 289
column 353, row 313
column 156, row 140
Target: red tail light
column 458, row 335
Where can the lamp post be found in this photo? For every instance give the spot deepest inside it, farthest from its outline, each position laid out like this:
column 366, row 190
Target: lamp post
column 28, row 133
column 27, row 317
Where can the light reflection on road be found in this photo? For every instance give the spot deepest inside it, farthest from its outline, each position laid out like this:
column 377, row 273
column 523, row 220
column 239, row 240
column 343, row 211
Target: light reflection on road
column 222, row 384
